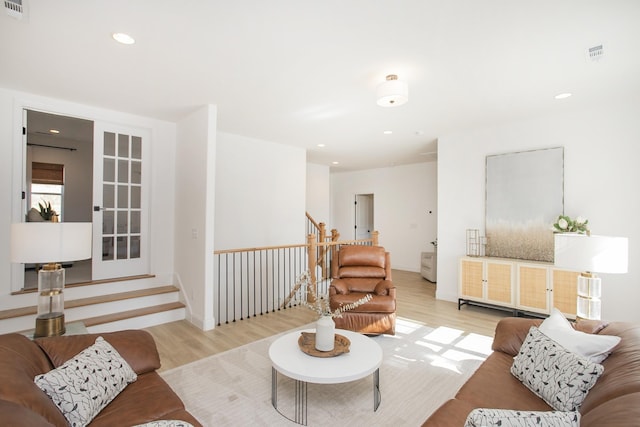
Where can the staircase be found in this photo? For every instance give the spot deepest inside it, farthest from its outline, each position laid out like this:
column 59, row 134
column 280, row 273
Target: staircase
column 103, row 306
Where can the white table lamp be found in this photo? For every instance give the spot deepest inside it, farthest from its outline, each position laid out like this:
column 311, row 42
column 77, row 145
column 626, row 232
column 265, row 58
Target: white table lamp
column 591, row 254
column 50, row 243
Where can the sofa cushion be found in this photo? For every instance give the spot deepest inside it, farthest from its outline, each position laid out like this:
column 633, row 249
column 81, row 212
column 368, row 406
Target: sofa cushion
column 511, row 333
column 596, row 348
column 137, row 347
column 165, row 423
column 15, row 415
column 558, row 376
column 88, row 382
column 486, row 417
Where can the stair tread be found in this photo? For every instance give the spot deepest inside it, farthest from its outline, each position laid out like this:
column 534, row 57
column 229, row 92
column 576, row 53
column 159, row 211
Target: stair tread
column 27, row 311
column 108, row 318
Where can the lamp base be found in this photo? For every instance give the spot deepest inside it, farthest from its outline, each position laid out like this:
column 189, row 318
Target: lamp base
column 49, row 325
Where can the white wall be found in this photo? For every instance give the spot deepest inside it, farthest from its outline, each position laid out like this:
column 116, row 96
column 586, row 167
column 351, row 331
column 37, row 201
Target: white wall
column 162, row 171
column 318, row 193
column 260, row 193
column 403, row 198
column 602, row 148
column 195, row 202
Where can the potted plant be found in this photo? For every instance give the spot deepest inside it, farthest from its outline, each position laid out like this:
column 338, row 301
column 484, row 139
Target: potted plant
column 47, row 213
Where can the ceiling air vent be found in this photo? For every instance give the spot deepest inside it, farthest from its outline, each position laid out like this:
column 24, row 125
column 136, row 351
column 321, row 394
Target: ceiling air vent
column 14, row 8
column 595, row 53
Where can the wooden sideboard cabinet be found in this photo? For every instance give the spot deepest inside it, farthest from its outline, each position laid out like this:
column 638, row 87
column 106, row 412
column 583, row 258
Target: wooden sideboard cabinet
column 517, row 285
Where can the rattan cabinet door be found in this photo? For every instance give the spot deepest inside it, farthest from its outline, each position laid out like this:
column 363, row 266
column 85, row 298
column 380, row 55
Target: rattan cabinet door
column 499, row 282
column 533, row 288
column 471, row 279
column 565, row 291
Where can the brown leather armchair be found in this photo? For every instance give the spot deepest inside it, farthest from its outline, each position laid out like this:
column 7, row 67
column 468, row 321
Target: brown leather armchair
column 357, row 271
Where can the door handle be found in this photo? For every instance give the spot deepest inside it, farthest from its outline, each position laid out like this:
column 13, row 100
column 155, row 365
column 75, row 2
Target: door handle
column 97, row 208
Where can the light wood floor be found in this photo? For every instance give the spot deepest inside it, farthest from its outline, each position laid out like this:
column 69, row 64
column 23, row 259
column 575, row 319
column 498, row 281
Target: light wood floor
column 180, row 342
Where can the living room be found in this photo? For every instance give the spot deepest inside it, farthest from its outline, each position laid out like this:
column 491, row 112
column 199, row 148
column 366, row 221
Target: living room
column 205, row 162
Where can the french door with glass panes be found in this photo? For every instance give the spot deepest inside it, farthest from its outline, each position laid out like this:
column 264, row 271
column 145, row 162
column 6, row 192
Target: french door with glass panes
column 120, row 205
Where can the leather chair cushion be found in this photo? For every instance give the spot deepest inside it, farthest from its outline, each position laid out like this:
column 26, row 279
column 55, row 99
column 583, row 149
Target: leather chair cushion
column 371, row 256
column 377, row 304
column 361, row 272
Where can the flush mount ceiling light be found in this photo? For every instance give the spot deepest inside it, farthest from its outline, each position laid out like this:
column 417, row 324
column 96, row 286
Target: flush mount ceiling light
column 392, row 92
column 562, row 95
column 123, row 38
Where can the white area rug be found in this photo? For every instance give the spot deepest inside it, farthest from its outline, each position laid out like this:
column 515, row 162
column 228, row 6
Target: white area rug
column 422, row 368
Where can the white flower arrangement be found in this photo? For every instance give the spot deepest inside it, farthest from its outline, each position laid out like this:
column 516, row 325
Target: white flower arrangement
column 321, row 303
column 564, row 224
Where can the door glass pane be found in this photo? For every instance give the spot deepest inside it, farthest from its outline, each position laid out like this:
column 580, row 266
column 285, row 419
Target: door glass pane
column 107, row 248
column 122, row 247
column 123, row 197
column 123, row 222
column 136, row 147
column 108, row 196
column 135, row 247
column 109, row 170
column 123, row 171
column 135, row 221
column 136, row 172
column 135, row 197
column 107, row 222
column 109, row 144
column 123, row 145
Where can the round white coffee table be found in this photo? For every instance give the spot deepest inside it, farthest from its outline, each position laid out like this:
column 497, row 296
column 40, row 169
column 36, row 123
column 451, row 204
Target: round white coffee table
column 364, row 358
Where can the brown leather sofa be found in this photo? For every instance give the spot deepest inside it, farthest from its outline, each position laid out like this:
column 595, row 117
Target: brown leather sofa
column 357, row 271
column 614, row 401
column 22, row 403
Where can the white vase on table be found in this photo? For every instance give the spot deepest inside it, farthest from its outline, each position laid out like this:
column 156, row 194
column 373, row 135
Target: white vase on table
column 325, row 333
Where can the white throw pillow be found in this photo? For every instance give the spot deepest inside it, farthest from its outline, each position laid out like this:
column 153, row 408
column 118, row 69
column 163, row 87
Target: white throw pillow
column 594, row 347
column 86, row 383
column 561, row 378
column 484, row 417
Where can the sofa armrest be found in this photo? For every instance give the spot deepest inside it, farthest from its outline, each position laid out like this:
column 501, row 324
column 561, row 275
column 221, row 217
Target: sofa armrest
column 339, row 286
column 511, row 333
column 137, row 347
column 383, row 287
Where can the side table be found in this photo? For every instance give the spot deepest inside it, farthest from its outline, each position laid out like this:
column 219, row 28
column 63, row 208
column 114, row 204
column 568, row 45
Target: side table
column 72, row 328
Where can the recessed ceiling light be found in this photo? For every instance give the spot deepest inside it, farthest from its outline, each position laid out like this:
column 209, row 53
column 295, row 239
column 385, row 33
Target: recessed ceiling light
column 335, row 163
column 321, row 145
column 388, row 132
column 56, row 131
column 123, row 38
column 562, row 95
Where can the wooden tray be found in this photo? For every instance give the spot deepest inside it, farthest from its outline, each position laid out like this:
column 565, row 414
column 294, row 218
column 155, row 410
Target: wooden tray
column 307, row 343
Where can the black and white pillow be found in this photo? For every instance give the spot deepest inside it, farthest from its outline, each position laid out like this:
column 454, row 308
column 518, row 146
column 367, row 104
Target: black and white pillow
column 86, row 383
column 166, row 423
column 559, row 377
column 485, row 417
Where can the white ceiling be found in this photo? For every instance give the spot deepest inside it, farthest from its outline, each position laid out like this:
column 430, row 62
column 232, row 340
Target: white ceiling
column 304, row 72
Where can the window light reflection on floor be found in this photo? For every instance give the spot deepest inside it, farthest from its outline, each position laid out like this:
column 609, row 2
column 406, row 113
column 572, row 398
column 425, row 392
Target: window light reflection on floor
column 444, row 347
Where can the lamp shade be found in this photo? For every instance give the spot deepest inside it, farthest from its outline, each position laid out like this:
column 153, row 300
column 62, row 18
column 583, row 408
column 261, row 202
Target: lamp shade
column 596, row 254
column 392, row 92
column 48, row 242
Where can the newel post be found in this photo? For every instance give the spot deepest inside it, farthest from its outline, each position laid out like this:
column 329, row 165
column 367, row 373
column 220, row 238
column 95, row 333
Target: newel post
column 312, row 250
column 374, row 235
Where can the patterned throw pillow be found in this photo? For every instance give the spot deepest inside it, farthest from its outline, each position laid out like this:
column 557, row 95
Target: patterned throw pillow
column 86, row 383
column 484, row 417
column 559, row 377
column 166, row 423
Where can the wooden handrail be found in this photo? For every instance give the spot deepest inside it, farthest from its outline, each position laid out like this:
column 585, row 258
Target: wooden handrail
column 263, row 248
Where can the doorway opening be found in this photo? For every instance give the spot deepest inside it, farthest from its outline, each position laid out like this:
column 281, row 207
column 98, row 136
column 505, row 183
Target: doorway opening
column 363, row 216
column 58, row 171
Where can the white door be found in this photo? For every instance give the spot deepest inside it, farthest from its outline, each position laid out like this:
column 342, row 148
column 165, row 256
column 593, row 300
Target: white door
column 364, row 216
column 120, row 201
